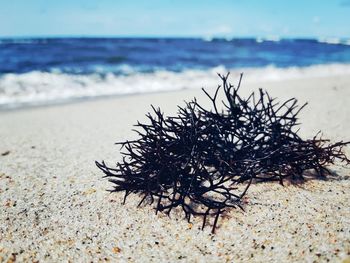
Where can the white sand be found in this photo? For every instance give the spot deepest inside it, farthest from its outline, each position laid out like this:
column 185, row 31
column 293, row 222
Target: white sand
column 54, row 206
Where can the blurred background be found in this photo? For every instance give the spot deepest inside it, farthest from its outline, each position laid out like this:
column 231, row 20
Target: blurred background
column 59, row 51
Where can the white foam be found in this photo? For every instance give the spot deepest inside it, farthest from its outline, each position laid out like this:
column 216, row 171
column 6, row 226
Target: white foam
column 37, row 88
column 273, row 38
column 331, row 41
column 267, row 39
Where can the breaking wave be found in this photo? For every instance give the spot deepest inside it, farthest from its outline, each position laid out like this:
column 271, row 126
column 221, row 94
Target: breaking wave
column 42, row 88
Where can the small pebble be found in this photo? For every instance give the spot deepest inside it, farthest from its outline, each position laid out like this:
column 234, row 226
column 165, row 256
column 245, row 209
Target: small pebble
column 5, row 153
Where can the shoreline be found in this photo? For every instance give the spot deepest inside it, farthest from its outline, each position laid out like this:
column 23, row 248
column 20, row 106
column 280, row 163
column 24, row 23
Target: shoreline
column 36, row 89
column 234, row 77
column 54, row 205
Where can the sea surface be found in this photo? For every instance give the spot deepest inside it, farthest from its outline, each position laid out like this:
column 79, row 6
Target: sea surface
column 55, row 70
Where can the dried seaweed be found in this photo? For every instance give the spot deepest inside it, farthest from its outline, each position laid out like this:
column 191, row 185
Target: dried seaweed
column 204, row 160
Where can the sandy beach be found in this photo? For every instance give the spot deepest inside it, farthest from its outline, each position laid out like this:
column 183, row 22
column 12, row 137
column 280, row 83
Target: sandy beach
column 55, row 207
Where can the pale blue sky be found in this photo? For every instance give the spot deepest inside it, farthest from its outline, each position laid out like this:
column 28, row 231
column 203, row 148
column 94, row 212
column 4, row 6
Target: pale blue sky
column 198, row 18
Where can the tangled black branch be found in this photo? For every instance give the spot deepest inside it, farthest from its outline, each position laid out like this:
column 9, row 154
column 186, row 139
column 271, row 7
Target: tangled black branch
column 204, row 160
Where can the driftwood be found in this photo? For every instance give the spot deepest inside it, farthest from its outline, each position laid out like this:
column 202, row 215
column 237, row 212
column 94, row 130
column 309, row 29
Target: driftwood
column 204, row 160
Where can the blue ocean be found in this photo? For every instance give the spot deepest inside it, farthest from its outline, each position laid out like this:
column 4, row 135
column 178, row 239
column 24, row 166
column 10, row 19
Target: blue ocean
column 47, row 71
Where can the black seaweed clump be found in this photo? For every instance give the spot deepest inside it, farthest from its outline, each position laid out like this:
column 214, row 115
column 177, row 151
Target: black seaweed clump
column 204, row 160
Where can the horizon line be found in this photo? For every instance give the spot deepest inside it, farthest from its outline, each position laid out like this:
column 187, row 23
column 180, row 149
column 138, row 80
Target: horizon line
column 265, row 37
